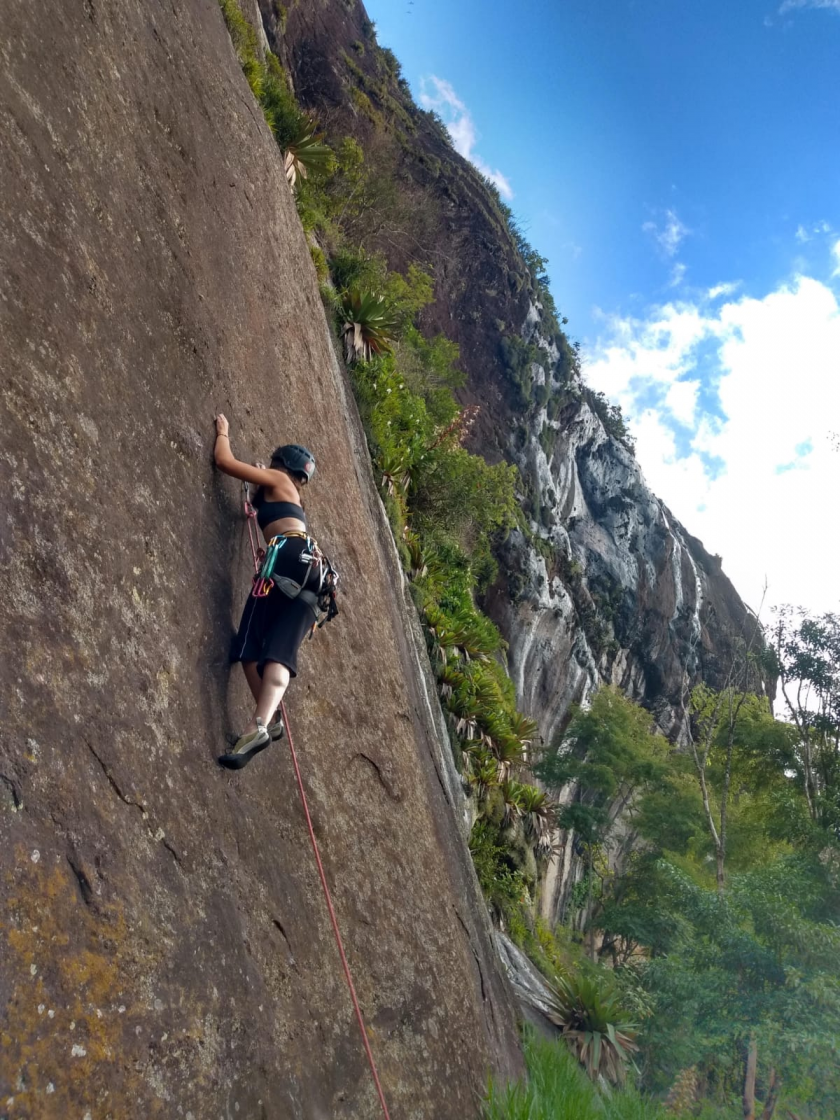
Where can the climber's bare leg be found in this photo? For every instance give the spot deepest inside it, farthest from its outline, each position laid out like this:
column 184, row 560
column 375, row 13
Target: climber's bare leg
column 274, row 682
column 253, row 678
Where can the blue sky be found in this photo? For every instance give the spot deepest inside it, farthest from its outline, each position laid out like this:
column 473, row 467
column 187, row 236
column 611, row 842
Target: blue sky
column 678, row 162
column 605, row 117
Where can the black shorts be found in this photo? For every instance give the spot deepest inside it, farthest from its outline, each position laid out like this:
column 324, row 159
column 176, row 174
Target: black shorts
column 273, row 626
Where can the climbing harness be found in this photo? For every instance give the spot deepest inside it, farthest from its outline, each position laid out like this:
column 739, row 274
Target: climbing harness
column 322, row 600
column 259, row 559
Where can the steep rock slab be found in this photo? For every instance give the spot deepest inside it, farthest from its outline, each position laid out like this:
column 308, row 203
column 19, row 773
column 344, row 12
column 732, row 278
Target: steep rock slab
column 165, row 946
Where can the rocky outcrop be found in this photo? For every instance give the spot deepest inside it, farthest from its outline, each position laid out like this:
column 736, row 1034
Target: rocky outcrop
column 614, row 588
column 165, row 946
column 623, row 593
column 607, row 586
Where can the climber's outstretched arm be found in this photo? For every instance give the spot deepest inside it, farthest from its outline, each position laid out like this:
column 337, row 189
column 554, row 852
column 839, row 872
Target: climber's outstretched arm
column 227, row 462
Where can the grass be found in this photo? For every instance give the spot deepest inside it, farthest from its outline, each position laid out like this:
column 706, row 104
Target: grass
column 558, row 1089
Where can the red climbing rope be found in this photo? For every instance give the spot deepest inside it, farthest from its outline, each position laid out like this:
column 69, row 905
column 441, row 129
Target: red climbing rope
column 333, row 918
column 257, row 554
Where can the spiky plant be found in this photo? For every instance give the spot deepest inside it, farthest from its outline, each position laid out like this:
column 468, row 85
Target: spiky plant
column 511, row 795
column 443, row 638
column 526, row 731
column 538, row 813
column 369, row 325
column 395, row 475
column 481, row 768
column 462, row 634
column 449, row 679
column 418, row 567
column 306, row 152
column 594, row 1025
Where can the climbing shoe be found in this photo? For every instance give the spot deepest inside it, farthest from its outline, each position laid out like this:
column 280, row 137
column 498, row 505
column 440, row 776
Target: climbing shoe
column 277, row 729
column 246, row 747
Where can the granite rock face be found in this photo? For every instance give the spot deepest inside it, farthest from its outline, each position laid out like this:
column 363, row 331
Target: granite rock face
column 610, row 589
column 165, row 947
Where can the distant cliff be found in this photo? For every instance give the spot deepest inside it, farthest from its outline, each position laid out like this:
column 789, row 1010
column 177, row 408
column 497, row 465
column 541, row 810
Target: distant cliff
column 607, row 585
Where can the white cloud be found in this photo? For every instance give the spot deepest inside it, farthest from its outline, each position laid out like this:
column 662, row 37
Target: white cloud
column 835, row 249
column 669, row 233
column 790, row 5
column 439, row 95
column 723, row 289
column 681, row 401
column 753, row 477
column 804, row 234
column 677, row 274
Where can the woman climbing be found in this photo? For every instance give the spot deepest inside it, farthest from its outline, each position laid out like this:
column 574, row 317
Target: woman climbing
column 295, row 581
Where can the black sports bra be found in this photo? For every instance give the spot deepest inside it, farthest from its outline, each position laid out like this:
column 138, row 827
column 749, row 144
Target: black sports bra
column 273, row 511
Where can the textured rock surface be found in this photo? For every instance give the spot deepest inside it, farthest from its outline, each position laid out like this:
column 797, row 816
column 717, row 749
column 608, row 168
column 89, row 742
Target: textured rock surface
column 165, row 948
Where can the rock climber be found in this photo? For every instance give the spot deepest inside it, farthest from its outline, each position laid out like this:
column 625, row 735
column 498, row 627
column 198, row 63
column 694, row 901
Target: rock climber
column 295, row 580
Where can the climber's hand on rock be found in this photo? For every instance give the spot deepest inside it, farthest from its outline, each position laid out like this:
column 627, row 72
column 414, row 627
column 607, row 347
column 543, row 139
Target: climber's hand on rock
column 222, row 425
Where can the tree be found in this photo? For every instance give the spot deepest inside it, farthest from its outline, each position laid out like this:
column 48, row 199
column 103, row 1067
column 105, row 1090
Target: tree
column 729, row 731
column 806, row 656
column 610, row 754
column 751, row 978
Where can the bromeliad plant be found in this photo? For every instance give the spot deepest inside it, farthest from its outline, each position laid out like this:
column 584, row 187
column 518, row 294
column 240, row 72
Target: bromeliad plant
column 594, row 1024
column 368, row 326
column 306, row 152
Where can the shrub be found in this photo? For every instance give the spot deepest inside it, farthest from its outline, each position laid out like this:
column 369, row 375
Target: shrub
column 503, row 885
column 556, row 1089
column 596, row 1028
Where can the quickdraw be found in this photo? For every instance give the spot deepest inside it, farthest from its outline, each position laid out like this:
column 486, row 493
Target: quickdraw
column 263, row 582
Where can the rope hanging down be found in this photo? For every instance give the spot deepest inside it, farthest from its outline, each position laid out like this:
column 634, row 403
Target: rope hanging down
column 333, row 918
column 257, row 554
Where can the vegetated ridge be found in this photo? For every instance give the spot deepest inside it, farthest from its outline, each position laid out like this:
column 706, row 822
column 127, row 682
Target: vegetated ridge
column 600, row 582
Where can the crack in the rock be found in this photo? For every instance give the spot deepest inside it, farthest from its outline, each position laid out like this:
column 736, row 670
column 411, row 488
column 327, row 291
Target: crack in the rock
column 13, row 790
column 135, row 804
column 85, row 889
column 474, row 953
column 279, row 926
column 385, row 783
column 112, row 780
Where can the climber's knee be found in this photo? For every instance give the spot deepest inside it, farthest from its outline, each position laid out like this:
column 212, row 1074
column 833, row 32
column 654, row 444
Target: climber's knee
column 275, row 674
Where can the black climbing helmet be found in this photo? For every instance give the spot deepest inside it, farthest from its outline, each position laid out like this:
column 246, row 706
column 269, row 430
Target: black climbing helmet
column 296, row 459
